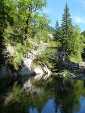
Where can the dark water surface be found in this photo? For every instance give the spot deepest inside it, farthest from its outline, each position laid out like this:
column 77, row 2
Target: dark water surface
column 60, row 97
column 51, row 108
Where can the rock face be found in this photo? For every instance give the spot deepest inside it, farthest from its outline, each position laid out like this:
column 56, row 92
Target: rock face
column 11, row 49
column 27, row 71
column 41, row 71
column 27, row 86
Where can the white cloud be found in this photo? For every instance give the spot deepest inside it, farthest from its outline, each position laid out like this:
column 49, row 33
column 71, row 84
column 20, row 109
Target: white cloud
column 79, row 20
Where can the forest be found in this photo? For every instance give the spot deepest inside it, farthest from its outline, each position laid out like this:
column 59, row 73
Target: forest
column 40, row 63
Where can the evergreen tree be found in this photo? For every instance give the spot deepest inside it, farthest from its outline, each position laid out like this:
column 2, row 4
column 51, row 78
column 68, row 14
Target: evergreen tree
column 67, row 28
column 58, row 32
column 57, row 25
column 71, row 38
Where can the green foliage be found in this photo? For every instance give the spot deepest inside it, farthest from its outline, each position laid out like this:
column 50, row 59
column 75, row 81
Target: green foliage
column 31, row 19
column 75, row 43
column 5, row 18
column 70, row 37
column 20, row 21
column 20, row 50
column 51, row 29
column 67, row 29
column 45, row 57
column 75, row 46
column 16, row 101
column 58, row 32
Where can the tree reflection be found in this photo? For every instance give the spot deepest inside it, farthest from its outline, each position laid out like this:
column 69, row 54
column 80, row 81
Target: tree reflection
column 67, row 94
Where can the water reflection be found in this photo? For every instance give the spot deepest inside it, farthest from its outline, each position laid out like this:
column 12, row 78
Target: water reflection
column 49, row 107
column 66, row 96
column 32, row 110
column 82, row 105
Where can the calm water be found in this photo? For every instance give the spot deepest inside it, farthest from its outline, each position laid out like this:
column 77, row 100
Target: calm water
column 60, row 97
column 51, row 107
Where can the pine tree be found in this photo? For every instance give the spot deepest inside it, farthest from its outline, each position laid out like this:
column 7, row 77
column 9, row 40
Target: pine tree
column 66, row 21
column 71, row 39
column 57, row 34
column 67, row 28
column 57, row 25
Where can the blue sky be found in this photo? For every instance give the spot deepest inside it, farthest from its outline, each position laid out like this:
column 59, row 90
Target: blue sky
column 55, row 9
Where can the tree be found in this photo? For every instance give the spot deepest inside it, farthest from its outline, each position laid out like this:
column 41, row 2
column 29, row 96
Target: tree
column 20, row 21
column 58, row 32
column 56, row 35
column 70, row 38
column 5, row 18
column 28, row 18
column 67, row 28
column 57, row 25
column 76, row 45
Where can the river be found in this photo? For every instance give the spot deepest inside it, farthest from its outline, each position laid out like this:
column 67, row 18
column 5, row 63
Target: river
column 59, row 96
